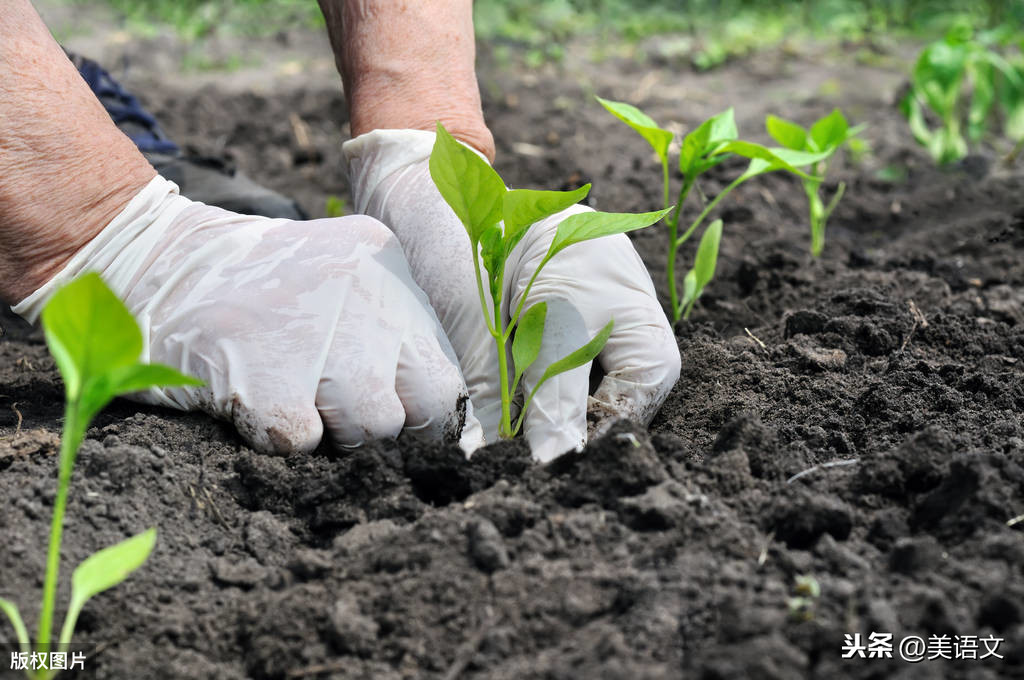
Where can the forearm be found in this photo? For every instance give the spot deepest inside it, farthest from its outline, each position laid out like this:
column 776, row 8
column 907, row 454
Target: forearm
column 406, row 65
column 65, row 169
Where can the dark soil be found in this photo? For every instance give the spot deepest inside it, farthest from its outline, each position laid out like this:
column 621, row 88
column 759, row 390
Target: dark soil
column 665, row 553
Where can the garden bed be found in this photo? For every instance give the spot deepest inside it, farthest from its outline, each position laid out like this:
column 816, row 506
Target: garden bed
column 670, row 552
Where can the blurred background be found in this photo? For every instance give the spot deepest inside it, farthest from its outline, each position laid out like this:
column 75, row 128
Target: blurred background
column 253, row 82
column 709, row 31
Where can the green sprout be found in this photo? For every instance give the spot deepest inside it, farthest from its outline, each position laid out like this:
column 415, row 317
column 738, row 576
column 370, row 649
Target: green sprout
column 962, row 81
column 96, row 345
column 497, row 219
column 801, row 606
column 709, row 144
column 826, row 135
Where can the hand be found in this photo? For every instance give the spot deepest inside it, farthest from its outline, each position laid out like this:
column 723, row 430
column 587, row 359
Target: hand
column 584, row 286
column 294, row 326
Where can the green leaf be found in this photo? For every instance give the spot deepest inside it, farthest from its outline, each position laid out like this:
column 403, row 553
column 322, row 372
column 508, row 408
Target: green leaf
column 101, row 390
column 96, row 344
column 703, row 267
column 11, row 610
column 707, row 255
column 103, row 570
column 690, row 154
column 90, row 332
column 592, row 224
column 493, row 254
column 580, row 357
column 467, row 183
column 523, row 207
column 689, row 290
column 938, row 75
column 526, row 343
column 1012, row 100
column 721, row 127
column 830, row 131
column 855, row 130
column 644, row 125
column 143, row 376
column 704, row 139
column 1012, row 73
column 786, row 133
column 764, row 159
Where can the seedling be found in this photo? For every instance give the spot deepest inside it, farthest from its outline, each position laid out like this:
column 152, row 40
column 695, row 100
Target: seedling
column 709, row 144
column 825, row 135
column 96, row 345
column 496, row 220
column 801, row 606
column 963, row 81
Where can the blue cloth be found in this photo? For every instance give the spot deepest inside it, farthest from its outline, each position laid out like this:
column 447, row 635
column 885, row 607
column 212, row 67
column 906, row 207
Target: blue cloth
column 125, row 110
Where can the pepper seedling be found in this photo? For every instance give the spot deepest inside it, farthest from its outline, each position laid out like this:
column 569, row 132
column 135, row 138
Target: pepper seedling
column 826, row 135
column 496, row 220
column 945, row 75
column 96, row 345
column 706, row 146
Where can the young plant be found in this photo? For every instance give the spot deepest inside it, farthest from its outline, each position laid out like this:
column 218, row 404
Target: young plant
column 962, row 81
column 496, row 220
column 804, row 602
column 709, row 144
column 826, row 135
column 96, row 345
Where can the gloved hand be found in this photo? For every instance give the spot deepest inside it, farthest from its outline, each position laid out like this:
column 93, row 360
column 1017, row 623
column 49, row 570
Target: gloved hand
column 584, row 286
column 294, row 326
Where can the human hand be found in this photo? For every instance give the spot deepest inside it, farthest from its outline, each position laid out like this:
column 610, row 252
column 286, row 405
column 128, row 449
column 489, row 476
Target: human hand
column 584, row 287
column 296, row 327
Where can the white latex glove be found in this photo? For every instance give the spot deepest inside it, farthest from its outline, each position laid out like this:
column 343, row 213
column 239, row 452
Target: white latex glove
column 584, row 286
column 294, row 326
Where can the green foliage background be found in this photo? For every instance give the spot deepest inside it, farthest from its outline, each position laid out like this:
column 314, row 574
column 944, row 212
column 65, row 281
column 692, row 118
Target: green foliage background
column 535, row 22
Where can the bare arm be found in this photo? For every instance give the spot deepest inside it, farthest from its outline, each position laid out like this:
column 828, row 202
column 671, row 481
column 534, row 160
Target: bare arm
column 407, row 64
column 65, row 169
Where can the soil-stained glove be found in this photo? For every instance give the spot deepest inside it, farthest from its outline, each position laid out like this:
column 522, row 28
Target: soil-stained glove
column 294, row 326
column 584, row 286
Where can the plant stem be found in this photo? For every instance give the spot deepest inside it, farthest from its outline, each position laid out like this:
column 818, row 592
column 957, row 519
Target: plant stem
column 68, row 446
column 689, row 308
column 818, row 245
column 522, row 298
column 673, row 247
column 480, row 290
column 665, row 182
column 505, row 427
column 817, row 216
column 670, row 270
column 710, row 206
column 497, row 330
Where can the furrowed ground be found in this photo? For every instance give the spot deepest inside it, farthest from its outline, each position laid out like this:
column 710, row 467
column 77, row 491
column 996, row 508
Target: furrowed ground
column 666, row 553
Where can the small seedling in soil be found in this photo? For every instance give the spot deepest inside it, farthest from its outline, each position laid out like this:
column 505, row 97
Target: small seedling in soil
column 96, row 345
column 802, row 604
column 497, row 219
column 826, row 135
column 709, row 144
column 960, row 82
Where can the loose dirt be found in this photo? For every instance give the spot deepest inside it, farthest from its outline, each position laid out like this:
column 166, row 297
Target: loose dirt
column 885, row 377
